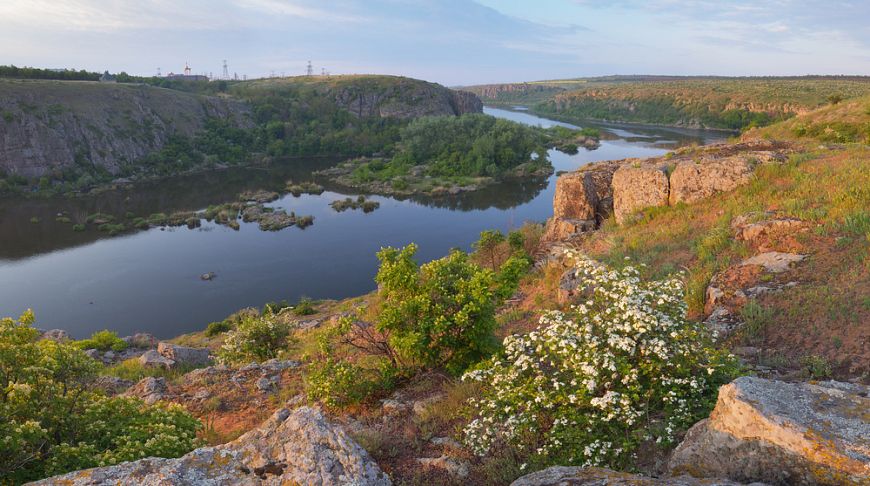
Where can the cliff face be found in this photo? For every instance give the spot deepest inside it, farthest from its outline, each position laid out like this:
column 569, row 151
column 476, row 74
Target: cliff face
column 404, row 98
column 48, row 126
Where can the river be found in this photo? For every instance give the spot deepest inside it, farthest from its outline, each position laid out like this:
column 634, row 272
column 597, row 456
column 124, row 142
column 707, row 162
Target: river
column 149, row 280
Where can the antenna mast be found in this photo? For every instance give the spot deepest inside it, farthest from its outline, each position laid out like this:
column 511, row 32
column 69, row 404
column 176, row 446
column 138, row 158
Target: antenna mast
column 226, row 71
column 310, row 69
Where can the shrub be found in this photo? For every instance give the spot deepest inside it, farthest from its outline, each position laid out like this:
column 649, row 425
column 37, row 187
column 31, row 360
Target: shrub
column 219, row 327
column 255, row 338
column 438, row 314
column 52, row 422
column 336, row 383
column 591, row 384
column 305, row 307
column 104, row 340
column 816, row 367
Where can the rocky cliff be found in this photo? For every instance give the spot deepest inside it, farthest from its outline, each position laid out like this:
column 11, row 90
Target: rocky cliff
column 623, row 187
column 48, row 126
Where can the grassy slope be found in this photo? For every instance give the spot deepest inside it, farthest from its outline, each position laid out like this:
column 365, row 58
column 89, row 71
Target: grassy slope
column 828, row 313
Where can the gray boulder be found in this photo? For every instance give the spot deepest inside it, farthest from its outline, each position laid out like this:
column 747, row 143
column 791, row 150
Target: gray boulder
column 153, row 359
column 782, row 434
column 298, row 447
column 596, row 476
column 184, row 355
column 149, row 389
column 58, row 335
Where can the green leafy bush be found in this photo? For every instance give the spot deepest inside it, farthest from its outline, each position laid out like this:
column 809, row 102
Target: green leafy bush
column 52, row 422
column 104, row 340
column 623, row 367
column 440, row 314
column 218, row 327
column 255, row 338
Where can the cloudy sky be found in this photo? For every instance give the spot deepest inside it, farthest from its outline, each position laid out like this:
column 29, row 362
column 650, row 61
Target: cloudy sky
column 449, row 41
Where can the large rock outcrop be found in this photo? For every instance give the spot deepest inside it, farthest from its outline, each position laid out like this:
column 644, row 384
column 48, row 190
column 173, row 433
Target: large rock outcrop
column 298, row 447
column 637, row 186
column 54, row 125
column 623, row 187
column 581, row 201
column 596, row 476
column 690, row 181
column 783, row 434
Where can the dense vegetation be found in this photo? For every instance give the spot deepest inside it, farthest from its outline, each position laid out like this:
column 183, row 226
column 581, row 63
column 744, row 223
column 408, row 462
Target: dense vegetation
column 472, row 145
column 52, row 420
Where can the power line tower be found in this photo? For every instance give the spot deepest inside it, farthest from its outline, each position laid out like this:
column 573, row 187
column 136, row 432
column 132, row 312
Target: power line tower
column 158, row 71
column 226, row 71
column 310, row 69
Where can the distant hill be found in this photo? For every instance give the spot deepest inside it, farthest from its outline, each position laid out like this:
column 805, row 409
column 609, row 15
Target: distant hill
column 70, row 135
column 701, row 102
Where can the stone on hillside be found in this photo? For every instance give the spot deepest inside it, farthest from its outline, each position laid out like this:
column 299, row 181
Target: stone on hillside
column 774, row 261
column 636, row 188
column 111, row 385
column 94, row 354
column 452, row 466
column 149, row 389
column 596, row 476
column 58, row 335
column 692, row 181
column 783, row 434
column 298, row 447
column 754, row 231
column 184, row 355
column 153, row 359
column 141, row 340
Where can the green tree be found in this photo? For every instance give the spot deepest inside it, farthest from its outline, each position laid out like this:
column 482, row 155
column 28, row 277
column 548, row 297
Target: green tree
column 489, row 247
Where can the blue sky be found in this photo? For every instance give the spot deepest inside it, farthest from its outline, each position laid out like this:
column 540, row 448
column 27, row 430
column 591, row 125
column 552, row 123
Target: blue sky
column 453, row 42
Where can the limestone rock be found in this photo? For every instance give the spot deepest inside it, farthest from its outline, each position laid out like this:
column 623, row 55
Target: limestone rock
column 153, row 359
column 298, row 447
column 636, row 188
column 692, row 181
column 581, row 201
column 774, row 261
column 149, row 389
column 184, row 355
column 595, row 476
column 783, row 434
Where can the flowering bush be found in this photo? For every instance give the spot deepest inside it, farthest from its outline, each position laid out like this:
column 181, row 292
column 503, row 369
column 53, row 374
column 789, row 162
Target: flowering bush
column 592, row 383
column 255, row 338
column 51, row 422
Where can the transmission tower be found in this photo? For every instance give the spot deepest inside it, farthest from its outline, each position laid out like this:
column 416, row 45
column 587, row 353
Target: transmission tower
column 310, row 69
column 226, row 71
column 158, row 72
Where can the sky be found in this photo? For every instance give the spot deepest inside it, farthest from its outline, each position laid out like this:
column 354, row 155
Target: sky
column 453, row 42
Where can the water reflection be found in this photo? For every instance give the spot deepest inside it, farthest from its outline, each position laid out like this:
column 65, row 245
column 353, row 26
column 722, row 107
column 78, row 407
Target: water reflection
column 149, row 281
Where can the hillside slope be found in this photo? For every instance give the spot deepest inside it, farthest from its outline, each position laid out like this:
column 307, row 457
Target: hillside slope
column 781, row 263
column 52, row 126
column 715, row 102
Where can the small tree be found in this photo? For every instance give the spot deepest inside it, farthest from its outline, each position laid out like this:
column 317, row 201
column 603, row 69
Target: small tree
column 490, row 248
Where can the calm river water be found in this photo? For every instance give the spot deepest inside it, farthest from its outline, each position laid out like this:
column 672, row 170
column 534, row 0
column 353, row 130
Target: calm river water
column 149, row 280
